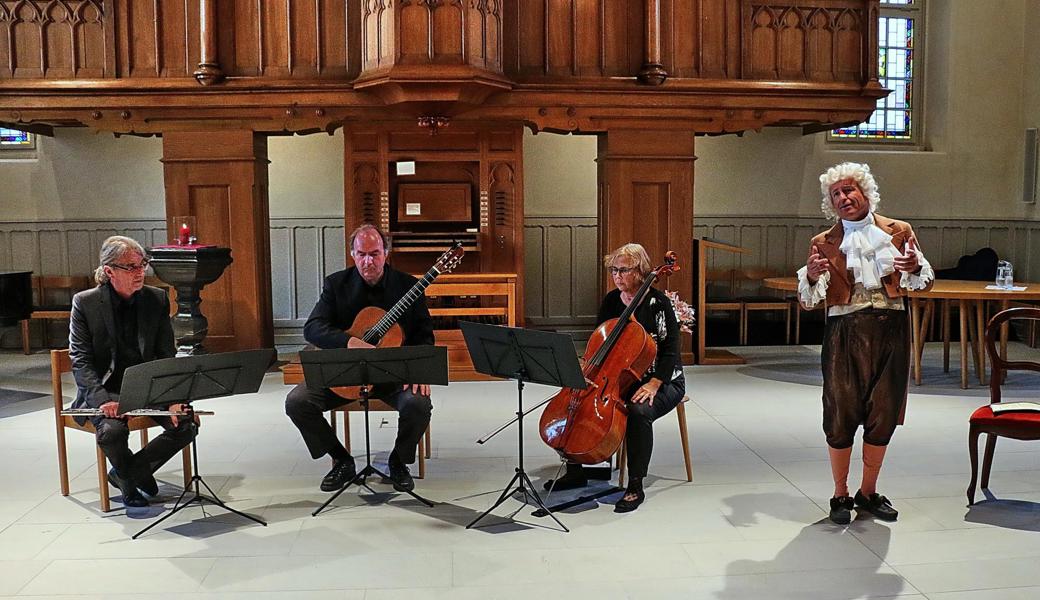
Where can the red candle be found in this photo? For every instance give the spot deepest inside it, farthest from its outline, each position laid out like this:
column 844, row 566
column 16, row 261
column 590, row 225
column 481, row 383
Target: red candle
column 185, row 233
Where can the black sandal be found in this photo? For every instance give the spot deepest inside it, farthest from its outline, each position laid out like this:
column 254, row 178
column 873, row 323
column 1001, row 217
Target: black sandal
column 635, row 486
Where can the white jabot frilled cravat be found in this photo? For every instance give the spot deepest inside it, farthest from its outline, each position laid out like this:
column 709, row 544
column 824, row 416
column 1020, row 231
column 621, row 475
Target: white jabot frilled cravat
column 868, row 251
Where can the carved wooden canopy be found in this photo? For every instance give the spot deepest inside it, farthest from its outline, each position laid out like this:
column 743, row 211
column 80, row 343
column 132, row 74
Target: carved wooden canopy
column 712, row 66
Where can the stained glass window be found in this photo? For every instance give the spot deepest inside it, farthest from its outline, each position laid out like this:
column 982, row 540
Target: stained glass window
column 896, row 117
column 13, row 138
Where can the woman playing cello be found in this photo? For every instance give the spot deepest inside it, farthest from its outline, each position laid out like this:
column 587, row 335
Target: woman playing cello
column 661, row 388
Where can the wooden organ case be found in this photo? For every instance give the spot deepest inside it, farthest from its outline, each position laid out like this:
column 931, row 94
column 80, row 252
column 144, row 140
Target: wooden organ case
column 427, row 190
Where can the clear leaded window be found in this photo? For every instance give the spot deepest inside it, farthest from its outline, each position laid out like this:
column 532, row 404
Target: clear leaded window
column 897, row 118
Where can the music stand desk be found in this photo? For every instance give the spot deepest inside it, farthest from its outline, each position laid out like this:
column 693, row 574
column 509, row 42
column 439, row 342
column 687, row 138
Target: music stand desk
column 183, row 381
column 365, row 367
column 526, row 356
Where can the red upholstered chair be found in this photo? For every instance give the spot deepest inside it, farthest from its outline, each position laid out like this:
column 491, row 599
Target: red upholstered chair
column 1017, row 425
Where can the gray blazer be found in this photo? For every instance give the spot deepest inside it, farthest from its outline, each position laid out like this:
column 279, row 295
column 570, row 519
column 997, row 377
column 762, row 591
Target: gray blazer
column 92, row 335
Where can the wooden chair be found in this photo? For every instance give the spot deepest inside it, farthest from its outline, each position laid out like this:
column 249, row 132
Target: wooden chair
column 60, row 363
column 726, row 281
column 373, row 406
column 1019, row 426
column 756, row 303
column 52, row 300
column 292, row 374
column 680, row 413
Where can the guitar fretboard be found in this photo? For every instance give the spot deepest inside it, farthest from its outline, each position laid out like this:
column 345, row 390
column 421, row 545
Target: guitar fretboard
column 372, row 336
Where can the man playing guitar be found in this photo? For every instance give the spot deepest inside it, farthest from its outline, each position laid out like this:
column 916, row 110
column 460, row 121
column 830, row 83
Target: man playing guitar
column 370, row 283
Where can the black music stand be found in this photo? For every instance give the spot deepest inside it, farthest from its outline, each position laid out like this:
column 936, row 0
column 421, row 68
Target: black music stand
column 366, row 367
column 183, row 381
column 523, row 355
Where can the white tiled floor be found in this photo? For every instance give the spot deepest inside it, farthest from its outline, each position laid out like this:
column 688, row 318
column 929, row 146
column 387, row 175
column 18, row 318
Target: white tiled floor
column 752, row 525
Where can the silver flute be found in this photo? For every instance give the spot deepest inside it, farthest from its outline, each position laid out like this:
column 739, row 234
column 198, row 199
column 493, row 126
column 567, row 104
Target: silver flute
column 140, row 412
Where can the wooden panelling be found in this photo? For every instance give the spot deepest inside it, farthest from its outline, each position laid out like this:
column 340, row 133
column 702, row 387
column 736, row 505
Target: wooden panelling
column 432, row 32
column 585, row 38
column 804, row 40
column 277, row 39
column 561, row 266
column 221, row 178
column 814, row 40
column 55, row 40
column 647, row 196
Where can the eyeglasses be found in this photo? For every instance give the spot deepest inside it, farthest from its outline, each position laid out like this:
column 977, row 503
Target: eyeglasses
column 620, row 270
column 141, row 266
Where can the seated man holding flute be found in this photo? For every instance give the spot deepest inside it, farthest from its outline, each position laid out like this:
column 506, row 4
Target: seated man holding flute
column 119, row 324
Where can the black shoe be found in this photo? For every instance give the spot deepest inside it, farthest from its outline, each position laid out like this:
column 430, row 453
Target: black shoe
column 399, row 475
column 877, row 505
column 134, row 499
column 572, row 479
column 841, row 510
column 624, row 506
column 116, row 480
column 342, row 472
column 131, row 497
column 146, row 483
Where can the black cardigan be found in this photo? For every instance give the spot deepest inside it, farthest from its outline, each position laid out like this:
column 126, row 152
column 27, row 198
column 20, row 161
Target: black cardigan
column 657, row 317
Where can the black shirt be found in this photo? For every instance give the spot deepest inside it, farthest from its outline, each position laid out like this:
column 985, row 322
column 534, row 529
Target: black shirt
column 128, row 350
column 345, row 293
column 657, row 317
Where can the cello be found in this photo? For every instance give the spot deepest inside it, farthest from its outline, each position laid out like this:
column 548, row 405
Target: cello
column 587, row 426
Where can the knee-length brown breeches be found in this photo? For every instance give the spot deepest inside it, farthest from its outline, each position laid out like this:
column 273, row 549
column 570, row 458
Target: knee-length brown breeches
column 866, row 369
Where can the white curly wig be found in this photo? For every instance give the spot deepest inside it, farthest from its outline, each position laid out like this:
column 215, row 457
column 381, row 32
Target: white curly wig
column 860, row 173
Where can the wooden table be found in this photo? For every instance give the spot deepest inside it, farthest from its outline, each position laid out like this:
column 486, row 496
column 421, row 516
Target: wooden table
column 786, row 284
column 968, row 294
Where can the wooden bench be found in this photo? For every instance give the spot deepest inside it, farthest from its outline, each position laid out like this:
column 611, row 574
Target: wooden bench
column 496, row 293
column 52, row 299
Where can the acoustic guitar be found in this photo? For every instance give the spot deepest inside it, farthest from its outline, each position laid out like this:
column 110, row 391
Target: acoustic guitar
column 380, row 327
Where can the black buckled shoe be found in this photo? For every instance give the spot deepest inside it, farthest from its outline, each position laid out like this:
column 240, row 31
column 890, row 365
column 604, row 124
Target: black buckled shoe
column 841, row 510
column 877, row 505
column 399, row 475
column 342, row 472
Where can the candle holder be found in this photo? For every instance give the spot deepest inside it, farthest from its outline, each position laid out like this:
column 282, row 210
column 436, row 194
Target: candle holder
column 183, row 230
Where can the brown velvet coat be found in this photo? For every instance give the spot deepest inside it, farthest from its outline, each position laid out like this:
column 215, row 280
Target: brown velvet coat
column 839, row 291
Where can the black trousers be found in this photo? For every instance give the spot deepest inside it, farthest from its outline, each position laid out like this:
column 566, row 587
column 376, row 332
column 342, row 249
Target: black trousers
column 866, row 370
column 113, row 437
column 639, row 437
column 306, row 408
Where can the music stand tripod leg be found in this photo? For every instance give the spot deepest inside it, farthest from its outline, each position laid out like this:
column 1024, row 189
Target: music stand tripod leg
column 523, row 482
column 201, row 499
column 369, row 469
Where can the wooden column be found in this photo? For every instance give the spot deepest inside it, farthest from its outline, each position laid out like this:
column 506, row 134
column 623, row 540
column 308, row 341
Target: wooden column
column 220, row 177
column 208, row 71
column 646, row 196
column 653, row 72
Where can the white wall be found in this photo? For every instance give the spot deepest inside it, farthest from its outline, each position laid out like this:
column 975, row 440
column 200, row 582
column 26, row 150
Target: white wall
column 559, row 175
column 79, row 174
